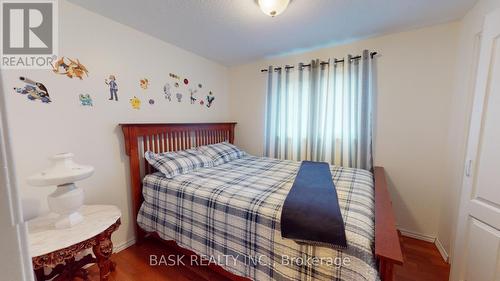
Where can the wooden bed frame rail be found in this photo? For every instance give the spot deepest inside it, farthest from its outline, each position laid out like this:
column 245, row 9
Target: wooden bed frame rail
column 387, row 245
column 140, row 138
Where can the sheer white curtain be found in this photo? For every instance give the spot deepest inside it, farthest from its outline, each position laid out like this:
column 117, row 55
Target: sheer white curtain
column 322, row 112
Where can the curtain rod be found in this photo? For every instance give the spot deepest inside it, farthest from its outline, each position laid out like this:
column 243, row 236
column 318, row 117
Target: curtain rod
column 372, row 54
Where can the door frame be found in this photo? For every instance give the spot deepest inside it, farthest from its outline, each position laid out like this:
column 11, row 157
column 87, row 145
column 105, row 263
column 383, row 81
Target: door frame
column 17, row 263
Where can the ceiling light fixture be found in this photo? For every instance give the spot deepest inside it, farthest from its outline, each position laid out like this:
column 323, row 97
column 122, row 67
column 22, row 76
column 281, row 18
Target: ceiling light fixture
column 273, row 7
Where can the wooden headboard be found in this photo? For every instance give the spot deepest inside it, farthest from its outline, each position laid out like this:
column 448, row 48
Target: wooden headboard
column 140, row 138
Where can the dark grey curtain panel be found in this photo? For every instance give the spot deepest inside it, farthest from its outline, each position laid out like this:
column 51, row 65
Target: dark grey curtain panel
column 322, row 112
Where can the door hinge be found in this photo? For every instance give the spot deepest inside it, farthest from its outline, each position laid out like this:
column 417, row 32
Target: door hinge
column 468, row 168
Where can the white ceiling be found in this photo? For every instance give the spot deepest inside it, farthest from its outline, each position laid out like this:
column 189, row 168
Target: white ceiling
column 234, row 32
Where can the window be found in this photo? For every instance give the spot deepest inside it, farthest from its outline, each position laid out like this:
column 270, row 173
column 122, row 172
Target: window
column 321, row 113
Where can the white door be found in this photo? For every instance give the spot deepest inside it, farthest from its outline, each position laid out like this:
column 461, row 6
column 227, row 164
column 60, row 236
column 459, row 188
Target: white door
column 477, row 247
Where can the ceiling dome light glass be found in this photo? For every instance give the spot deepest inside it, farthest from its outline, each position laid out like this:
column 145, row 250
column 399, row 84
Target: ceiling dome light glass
column 273, row 7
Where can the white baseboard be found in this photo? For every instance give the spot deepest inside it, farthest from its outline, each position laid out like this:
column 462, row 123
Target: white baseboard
column 442, row 251
column 427, row 238
column 418, row 236
column 124, row 245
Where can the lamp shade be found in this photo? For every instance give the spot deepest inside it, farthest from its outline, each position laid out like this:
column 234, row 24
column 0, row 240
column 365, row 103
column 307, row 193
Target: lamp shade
column 62, row 171
column 273, row 7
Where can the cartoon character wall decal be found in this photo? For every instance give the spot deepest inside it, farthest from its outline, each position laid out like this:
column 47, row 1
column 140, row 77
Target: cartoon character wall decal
column 135, row 103
column 144, row 83
column 192, row 98
column 34, row 90
column 179, row 97
column 70, row 68
column 175, row 76
column 210, row 99
column 113, row 87
column 86, row 100
column 166, row 92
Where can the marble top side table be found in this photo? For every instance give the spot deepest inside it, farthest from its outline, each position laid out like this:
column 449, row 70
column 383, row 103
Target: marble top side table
column 57, row 248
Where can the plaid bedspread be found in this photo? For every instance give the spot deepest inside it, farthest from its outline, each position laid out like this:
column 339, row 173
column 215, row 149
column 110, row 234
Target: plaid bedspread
column 231, row 214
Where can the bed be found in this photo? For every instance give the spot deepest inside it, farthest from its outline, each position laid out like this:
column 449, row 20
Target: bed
column 233, row 211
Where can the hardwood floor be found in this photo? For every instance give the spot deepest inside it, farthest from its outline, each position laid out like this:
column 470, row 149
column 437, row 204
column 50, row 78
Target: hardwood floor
column 422, row 262
column 132, row 264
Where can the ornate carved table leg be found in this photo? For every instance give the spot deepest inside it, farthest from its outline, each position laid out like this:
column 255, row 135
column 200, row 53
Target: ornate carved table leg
column 102, row 251
column 40, row 274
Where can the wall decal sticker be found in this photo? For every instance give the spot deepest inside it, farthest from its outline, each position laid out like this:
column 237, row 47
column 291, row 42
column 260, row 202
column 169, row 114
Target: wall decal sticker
column 144, row 83
column 175, row 76
column 200, row 86
column 210, row 99
column 179, row 97
column 113, row 87
column 166, row 92
column 151, row 101
column 86, row 100
column 33, row 90
column 192, row 98
column 135, row 102
column 186, row 81
column 70, row 68
column 202, row 102
column 176, row 84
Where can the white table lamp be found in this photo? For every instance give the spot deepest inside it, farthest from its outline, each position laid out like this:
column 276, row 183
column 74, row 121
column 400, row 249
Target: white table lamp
column 68, row 198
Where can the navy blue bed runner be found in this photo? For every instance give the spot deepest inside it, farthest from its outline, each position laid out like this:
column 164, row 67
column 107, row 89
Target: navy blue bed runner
column 311, row 212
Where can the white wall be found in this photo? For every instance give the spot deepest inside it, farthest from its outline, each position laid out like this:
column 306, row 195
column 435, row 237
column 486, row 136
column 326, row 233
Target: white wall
column 40, row 130
column 415, row 83
column 461, row 105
